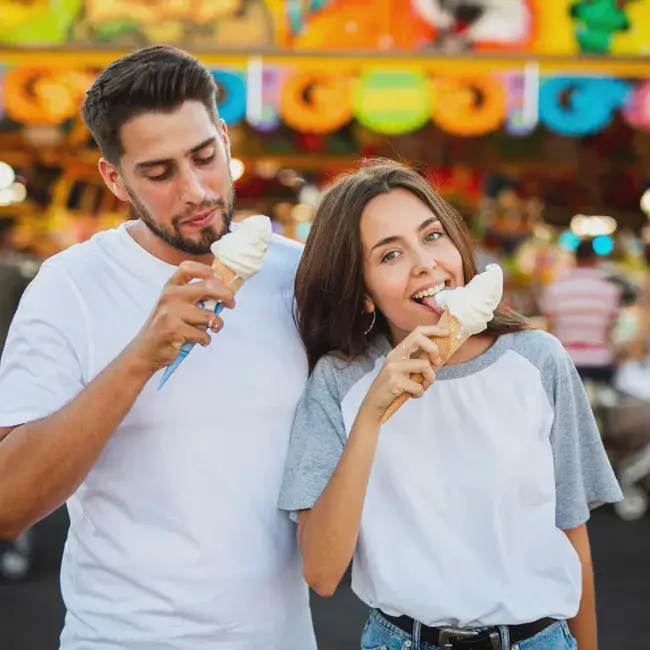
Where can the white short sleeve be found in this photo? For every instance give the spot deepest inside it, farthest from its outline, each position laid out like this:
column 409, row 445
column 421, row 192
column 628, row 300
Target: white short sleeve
column 46, row 353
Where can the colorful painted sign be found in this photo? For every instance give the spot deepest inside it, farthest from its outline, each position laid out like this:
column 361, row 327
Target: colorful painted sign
column 560, row 27
column 386, row 101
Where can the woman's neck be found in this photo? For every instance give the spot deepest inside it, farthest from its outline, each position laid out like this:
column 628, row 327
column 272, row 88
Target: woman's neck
column 475, row 346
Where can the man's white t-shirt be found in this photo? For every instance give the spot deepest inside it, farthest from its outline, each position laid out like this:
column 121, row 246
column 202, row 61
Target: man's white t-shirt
column 175, row 540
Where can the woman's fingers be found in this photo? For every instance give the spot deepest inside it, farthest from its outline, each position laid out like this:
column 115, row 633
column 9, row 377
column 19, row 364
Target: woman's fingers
column 429, row 376
column 419, row 341
column 405, row 370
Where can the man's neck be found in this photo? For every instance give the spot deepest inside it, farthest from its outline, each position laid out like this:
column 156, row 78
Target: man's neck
column 160, row 249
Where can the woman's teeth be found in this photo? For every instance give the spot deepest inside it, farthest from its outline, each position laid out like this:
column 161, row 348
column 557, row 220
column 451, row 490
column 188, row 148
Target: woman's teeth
column 428, row 292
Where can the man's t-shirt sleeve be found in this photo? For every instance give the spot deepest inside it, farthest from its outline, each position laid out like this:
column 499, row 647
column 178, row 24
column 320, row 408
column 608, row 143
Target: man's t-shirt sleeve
column 583, row 474
column 317, row 440
column 42, row 365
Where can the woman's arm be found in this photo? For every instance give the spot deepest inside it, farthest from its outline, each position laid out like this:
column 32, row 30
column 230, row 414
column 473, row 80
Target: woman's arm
column 328, row 533
column 583, row 626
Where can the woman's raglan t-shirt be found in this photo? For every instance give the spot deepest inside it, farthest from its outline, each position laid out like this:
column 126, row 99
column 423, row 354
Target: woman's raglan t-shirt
column 472, row 484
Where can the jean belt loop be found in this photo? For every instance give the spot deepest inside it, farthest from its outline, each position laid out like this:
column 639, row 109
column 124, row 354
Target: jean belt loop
column 504, row 631
column 417, row 631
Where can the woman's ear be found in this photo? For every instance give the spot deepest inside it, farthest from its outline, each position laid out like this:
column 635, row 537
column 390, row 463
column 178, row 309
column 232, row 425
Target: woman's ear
column 369, row 305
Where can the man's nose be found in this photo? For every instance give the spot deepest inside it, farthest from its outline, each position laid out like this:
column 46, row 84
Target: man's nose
column 192, row 190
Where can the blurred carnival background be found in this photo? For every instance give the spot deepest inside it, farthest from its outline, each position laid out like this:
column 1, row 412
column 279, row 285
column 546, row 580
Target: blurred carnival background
column 532, row 117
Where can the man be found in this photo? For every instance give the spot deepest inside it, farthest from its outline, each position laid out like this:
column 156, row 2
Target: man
column 175, row 541
column 582, row 307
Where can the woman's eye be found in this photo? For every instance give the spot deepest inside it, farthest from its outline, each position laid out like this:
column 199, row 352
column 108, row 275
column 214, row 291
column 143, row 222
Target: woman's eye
column 433, row 236
column 389, row 257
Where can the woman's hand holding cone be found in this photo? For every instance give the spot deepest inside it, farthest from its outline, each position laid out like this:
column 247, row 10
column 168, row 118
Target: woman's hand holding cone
column 408, row 370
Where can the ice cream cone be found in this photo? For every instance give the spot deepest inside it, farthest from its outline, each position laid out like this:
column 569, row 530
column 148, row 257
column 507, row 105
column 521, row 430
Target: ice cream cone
column 228, row 276
column 238, row 256
column 447, row 345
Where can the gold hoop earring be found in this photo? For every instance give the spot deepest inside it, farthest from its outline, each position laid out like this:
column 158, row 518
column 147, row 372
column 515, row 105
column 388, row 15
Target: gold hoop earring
column 372, row 324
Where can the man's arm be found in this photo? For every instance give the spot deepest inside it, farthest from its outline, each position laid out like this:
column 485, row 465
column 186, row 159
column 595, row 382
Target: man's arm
column 583, row 626
column 43, row 462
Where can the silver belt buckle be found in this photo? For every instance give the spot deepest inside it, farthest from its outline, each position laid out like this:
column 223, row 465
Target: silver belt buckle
column 448, row 634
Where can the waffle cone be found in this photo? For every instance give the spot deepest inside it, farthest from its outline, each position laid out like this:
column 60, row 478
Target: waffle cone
column 448, row 345
column 228, row 276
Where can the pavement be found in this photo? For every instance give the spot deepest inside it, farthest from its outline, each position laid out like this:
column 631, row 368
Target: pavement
column 31, row 612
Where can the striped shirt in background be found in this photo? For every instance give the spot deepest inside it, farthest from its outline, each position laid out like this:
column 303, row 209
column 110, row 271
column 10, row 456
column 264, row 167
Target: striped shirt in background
column 583, row 305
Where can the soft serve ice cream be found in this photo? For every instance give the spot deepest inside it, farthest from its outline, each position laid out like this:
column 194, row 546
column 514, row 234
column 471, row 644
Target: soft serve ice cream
column 473, row 305
column 243, row 249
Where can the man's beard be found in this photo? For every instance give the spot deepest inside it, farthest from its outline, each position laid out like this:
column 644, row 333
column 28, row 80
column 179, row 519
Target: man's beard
column 173, row 236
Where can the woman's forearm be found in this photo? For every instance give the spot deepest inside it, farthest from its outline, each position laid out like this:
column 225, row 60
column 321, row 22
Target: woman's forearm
column 328, row 533
column 583, row 626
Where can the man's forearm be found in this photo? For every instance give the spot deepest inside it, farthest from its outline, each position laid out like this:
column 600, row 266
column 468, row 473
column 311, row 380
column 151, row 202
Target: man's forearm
column 43, row 462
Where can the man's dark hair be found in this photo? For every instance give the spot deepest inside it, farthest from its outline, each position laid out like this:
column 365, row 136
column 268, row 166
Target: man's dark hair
column 157, row 79
column 585, row 251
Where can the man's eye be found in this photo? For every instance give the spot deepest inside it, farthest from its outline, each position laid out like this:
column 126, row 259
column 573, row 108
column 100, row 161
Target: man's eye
column 161, row 177
column 205, row 160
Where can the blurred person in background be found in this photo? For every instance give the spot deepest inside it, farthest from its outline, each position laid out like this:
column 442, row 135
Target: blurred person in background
column 14, row 278
column 15, row 275
column 581, row 308
column 633, row 371
column 175, row 540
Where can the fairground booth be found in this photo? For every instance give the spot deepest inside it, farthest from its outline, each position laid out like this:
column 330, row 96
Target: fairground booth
column 531, row 116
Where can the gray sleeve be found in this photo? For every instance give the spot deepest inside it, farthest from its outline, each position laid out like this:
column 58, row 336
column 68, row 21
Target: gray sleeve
column 317, row 440
column 584, row 477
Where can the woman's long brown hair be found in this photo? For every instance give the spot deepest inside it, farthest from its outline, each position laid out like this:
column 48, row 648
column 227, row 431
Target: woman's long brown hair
column 330, row 288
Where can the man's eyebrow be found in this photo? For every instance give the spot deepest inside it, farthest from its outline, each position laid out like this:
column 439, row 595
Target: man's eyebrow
column 394, row 238
column 147, row 164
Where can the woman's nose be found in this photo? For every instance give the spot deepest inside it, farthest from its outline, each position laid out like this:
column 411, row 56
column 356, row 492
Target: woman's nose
column 424, row 263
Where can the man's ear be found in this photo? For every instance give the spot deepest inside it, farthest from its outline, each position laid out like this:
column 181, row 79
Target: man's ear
column 225, row 138
column 113, row 179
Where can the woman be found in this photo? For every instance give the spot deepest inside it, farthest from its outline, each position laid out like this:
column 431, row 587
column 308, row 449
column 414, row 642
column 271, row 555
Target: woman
column 466, row 512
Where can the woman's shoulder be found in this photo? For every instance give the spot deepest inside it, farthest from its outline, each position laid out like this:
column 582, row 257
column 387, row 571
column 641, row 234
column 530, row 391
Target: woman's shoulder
column 339, row 372
column 537, row 346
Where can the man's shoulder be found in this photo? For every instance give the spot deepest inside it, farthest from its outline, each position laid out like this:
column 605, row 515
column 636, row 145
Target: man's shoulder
column 285, row 253
column 77, row 257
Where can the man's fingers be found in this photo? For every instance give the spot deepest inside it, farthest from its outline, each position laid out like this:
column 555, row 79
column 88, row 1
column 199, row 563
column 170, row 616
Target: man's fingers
column 198, row 316
column 193, row 334
column 188, row 271
column 211, row 289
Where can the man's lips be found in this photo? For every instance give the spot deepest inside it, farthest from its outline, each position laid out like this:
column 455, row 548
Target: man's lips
column 200, row 220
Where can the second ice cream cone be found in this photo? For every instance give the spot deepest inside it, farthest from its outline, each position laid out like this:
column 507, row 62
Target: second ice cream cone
column 227, row 275
column 447, row 345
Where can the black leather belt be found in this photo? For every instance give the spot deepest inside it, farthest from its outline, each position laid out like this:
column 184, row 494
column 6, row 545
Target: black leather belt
column 449, row 637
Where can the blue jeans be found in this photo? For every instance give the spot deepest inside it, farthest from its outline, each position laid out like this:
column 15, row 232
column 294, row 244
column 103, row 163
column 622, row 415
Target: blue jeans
column 380, row 634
